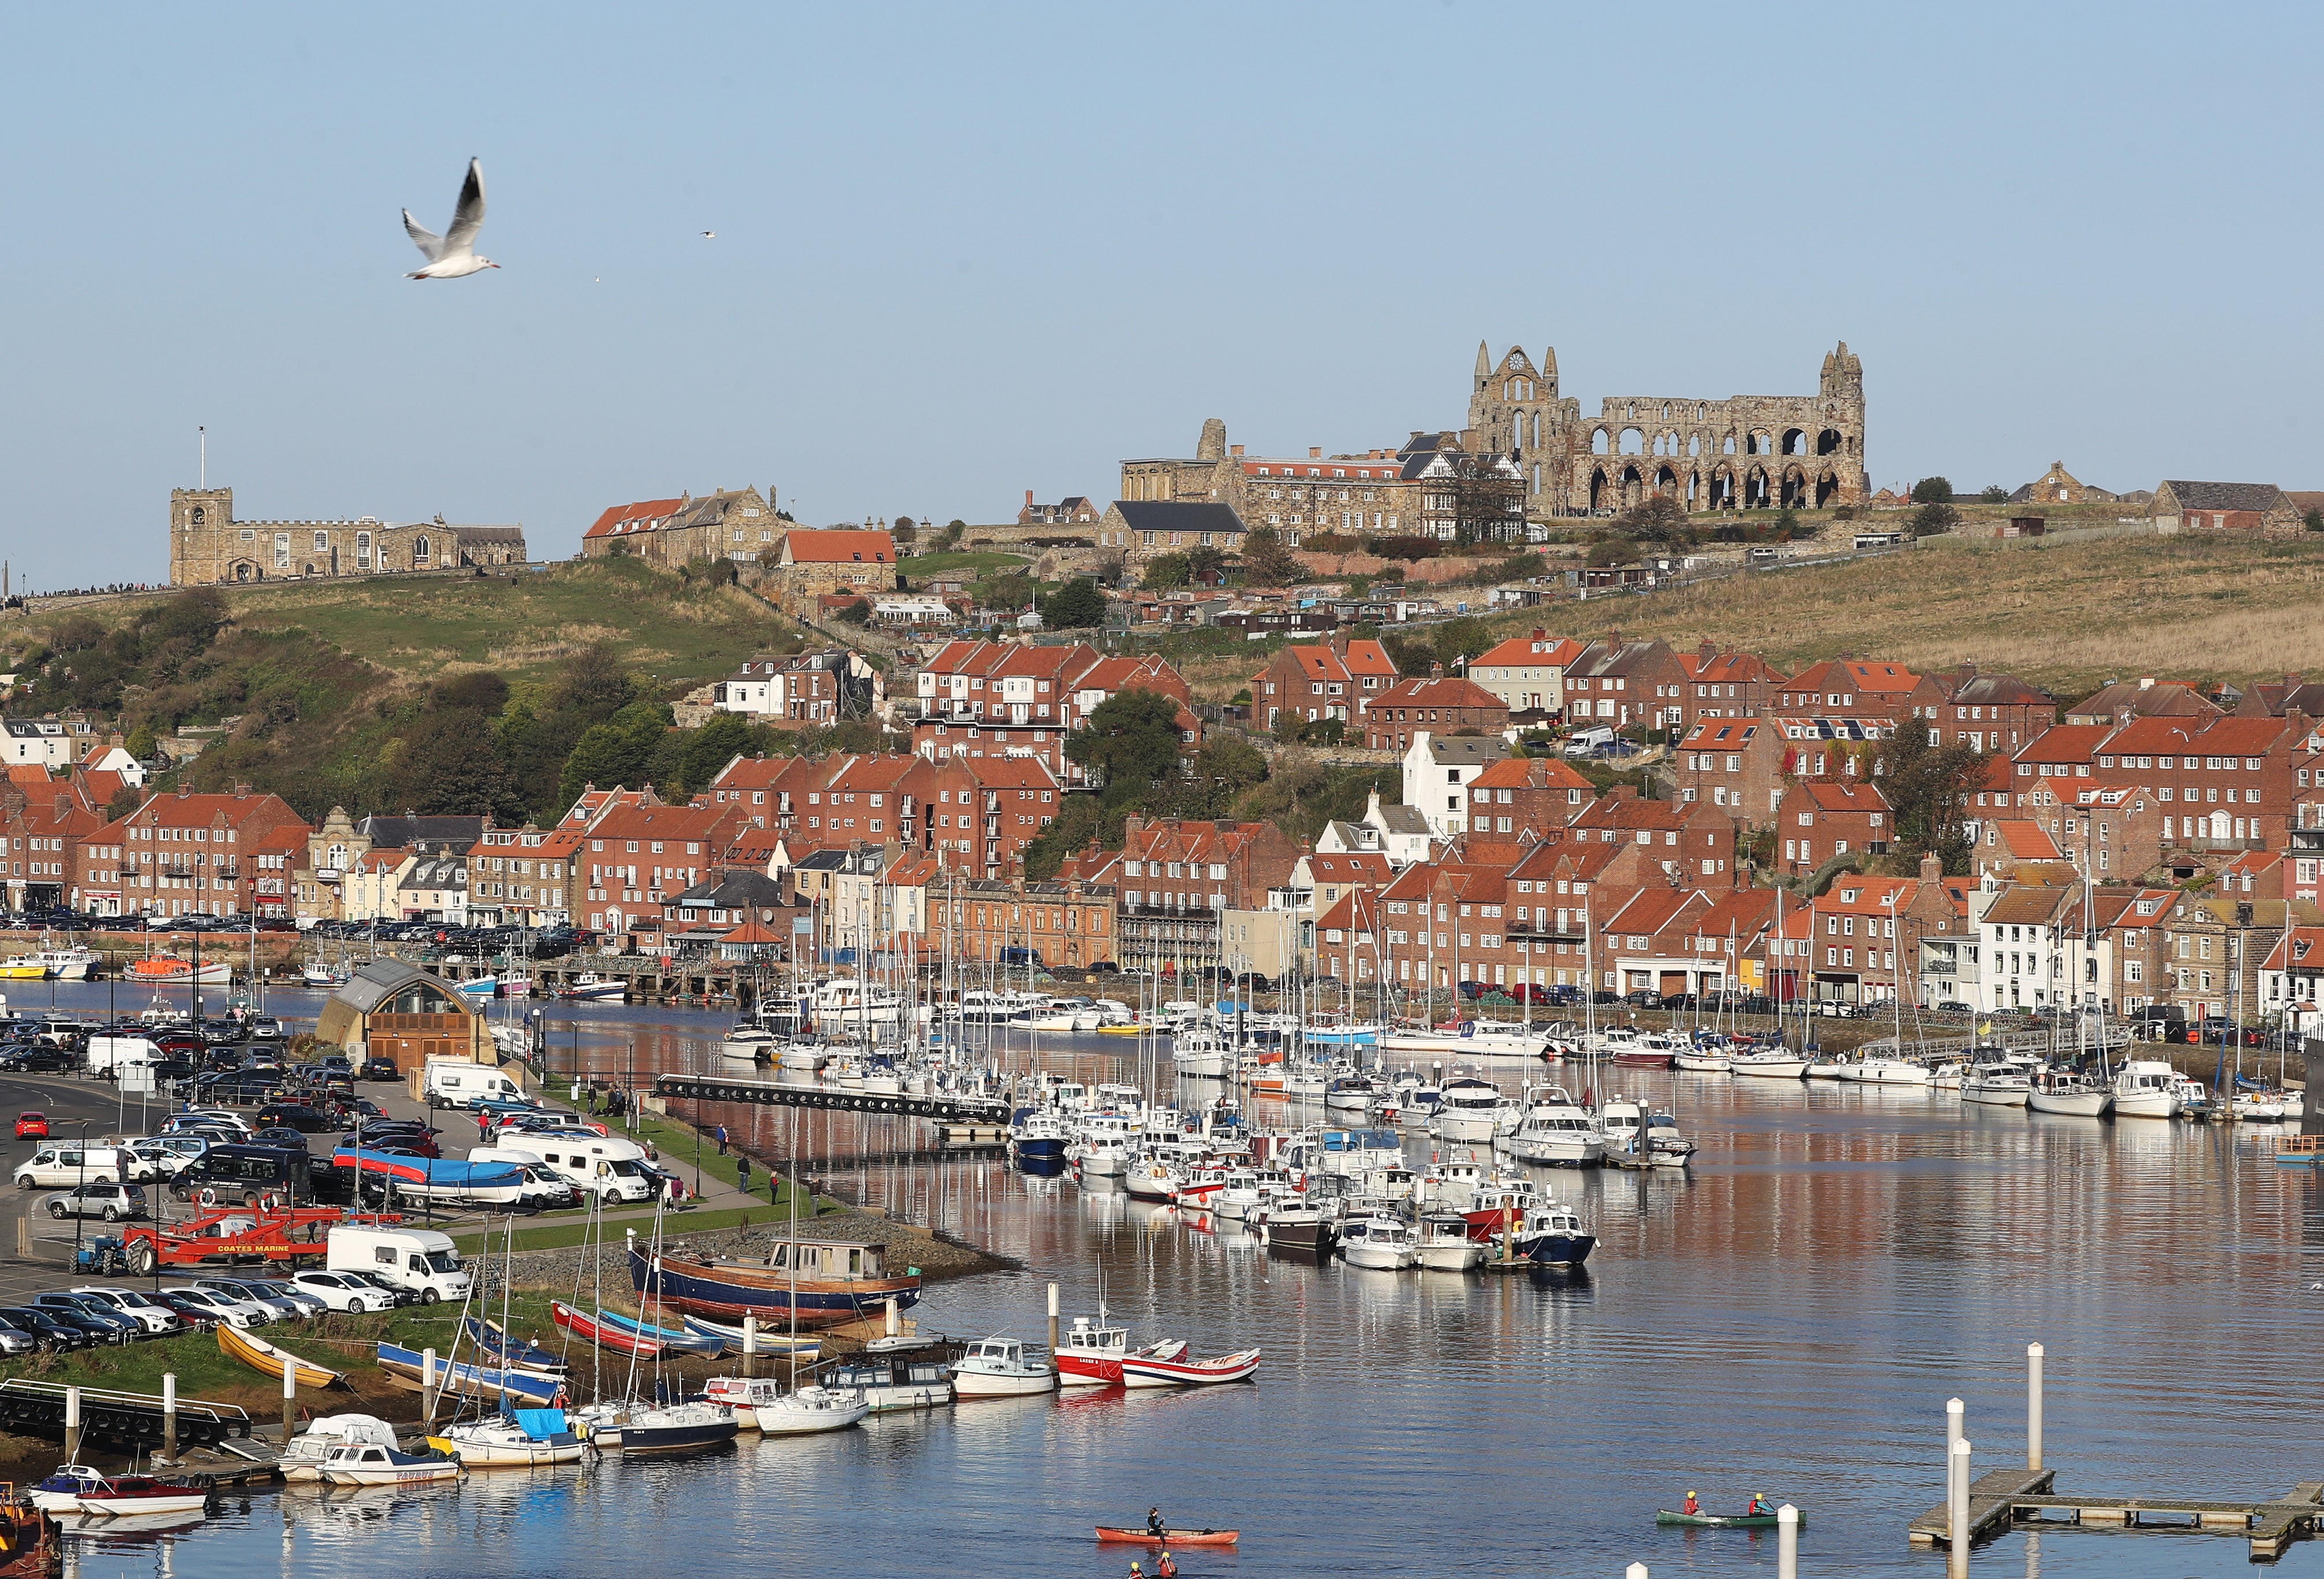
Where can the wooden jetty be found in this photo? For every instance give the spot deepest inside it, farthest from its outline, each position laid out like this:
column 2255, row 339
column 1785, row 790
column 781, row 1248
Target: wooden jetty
column 960, row 1110
column 2005, row 1499
column 122, row 1421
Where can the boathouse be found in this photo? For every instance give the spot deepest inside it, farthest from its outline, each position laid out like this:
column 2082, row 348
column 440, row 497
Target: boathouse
column 391, row 1010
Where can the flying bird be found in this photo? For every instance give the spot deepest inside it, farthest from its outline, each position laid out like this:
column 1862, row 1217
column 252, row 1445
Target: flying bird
column 708, row 234
column 454, row 255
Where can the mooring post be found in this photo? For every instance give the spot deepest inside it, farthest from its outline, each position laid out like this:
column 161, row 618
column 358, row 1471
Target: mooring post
column 749, row 1346
column 1053, row 1319
column 168, row 1416
column 2034, row 1406
column 1957, row 1522
column 290, row 1403
column 1787, row 1542
column 428, row 1387
column 1635, row 1571
column 72, row 1425
column 895, row 1317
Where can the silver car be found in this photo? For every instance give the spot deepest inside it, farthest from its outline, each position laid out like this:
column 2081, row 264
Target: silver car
column 112, row 1202
column 277, row 1308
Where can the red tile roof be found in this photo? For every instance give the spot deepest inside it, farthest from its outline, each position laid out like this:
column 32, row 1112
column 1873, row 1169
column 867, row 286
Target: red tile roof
column 1529, row 773
column 804, row 546
column 1535, row 651
column 644, row 515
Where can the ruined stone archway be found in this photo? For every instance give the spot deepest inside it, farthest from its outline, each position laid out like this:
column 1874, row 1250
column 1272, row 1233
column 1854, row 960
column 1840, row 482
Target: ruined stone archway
column 1796, row 441
column 1826, row 489
column 1596, row 489
column 1720, row 494
column 1794, row 488
column 1633, row 488
column 1754, row 489
column 1666, row 481
column 1828, row 441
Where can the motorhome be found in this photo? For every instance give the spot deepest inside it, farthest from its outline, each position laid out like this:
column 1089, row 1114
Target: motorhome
column 419, row 1259
column 457, row 1083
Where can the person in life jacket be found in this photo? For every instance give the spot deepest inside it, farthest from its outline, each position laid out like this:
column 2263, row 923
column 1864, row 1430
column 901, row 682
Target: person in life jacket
column 1165, row 1568
column 1692, row 1505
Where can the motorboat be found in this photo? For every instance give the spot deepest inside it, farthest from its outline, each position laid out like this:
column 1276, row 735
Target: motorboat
column 1201, row 1055
column 60, row 1492
column 1997, row 1085
column 518, row 1439
column 1351, row 1153
column 752, row 1044
column 2075, row 1096
column 64, row 964
column 1619, row 1119
column 1167, row 1364
column 1555, row 1132
column 325, row 976
column 806, row 1410
column 1553, row 1235
column 2144, row 1087
column 1769, row 1063
column 1382, row 1243
column 589, row 987
column 139, row 1495
column 303, row 1459
column 1479, row 1040
column 893, row 1374
column 367, row 1463
column 1834, row 1068
column 1151, row 1177
column 1499, row 1204
column 1443, row 1245
column 1038, row 1137
column 1001, row 1367
column 1300, row 1226
column 845, row 1003
column 1089, row 1352
column 1883, row 1069
column 1468, row 1110
column 633, row 1429
column 1704, row 1061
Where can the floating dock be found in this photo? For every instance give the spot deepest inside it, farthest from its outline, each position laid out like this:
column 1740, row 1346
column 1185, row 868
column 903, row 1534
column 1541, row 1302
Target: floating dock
column 961, row 1110
column 2008, row 1499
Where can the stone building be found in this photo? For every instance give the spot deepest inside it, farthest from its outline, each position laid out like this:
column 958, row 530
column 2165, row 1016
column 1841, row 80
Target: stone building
column 738, row 524
column 809, row 566
column 2261, row 509
column 2058, row 486
column 1145, row 529
column 1751, row 451
column 208, row 544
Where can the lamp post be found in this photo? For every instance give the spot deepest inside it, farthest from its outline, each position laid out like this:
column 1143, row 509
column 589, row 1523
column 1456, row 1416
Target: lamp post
column 80, row 1195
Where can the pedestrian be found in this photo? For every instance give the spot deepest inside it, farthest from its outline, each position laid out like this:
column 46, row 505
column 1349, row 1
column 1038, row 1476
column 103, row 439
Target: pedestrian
column 484, row 1128
column 742, row 1172
column 722, row 1140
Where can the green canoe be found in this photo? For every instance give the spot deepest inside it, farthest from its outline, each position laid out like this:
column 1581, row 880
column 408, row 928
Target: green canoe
column 1720, row 1520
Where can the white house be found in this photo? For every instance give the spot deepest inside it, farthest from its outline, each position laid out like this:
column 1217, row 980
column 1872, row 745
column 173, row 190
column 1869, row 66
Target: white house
column 114, row 759
column 38, row 740
column 1436, row 774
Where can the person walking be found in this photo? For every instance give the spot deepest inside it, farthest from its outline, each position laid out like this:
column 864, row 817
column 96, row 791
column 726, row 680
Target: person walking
column 742, row 1172
column 722, row 1140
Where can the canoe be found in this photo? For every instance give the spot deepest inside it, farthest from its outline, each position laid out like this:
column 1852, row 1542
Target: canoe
column 590, row 1329
column 261, row 1356
column 1720, row 1520
column 1177, row 1537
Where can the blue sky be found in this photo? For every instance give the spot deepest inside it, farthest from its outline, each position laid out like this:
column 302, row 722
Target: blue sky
column 966, row 251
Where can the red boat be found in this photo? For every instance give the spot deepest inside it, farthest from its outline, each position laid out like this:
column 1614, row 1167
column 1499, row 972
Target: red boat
column 582, row 1325
column 142, row 1493
column 1169, row 1537
column 1090, row 1354
column 1166, row 1365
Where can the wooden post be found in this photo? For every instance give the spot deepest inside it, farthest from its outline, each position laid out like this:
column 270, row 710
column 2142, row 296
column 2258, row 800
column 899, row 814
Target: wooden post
column 749, row 1346
column 428, row 1387
column 72, row 1425
column 168, row 1416
column 2032, row 1405
column 289, row 1404
column 1053, row 1319
column 1957, row 1523
column 1787, row 1542
column 895, row 1317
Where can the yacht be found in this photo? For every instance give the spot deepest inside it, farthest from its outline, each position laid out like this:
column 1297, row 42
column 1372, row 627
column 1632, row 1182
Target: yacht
column 1704, row 1061
column 1383, row 1244
column 1997, row 1085
column 1001, row 1367
column 1351, row 1094
column 1883, row 1069
column 1770, row 1063
column 845, row 1001
column 1555, row 1133
column 1443, row 1245
column 1468, row 1110
column 897, row 1374
column 2142, row 1088
column 1202, row 1054
column 750, row 1045
column 1301, row 1225
column 2074, row 1094
column 1618, row 1119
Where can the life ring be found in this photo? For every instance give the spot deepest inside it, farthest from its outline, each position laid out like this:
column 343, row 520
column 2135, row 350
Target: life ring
column 209, row 1198
column 267, row 1202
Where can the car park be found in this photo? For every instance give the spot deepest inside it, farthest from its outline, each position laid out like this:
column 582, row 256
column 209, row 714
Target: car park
column 344, row 1292
column 305, row 1302
column 103, row 1326
column 47, row 1330
column 234, row 1309
column 156, row 1317
column 112, row 1202
column 57, row 1163
column 265, row 1028
column 33, row 1125
column 292, row 1115
column 26, row 1058
column 276, row 1308
column 196, row 1315
column 397, row 1294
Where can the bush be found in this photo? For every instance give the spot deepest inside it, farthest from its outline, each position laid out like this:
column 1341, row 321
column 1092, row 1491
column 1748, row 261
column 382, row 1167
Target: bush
column 1933, row 491
column 1935, row 519
column 1992, row 493
column 1612, row 551
column 1408, row 547
column 858, row 613
column 1166, row 572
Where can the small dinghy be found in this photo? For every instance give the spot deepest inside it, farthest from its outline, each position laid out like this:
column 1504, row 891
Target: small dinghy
column 503, row 1350
column 1720, row 1520
column 597, row 1329
column 1168, row 1537
column 268, row 1360
column 673, row 1340
column 807, row 1348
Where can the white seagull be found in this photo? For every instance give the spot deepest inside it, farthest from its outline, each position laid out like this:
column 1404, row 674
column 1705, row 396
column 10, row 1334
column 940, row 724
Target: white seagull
column 452, row 255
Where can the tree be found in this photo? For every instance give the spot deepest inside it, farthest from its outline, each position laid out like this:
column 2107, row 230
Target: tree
column 142, row 743
column 2314, row 519
column 1655, row 518
column 858, row 613
column 724, row 573
column 621, row 750
column 1408, row 547
column 1013, row 591
column 449, row 768
column 703, row 753
column 1411, row 655
column 1205, row 562
column 1076, row 606
column 1787, row 524
column 1933, row 491
column 1933, row 520
column 1992, row 493
column 1463, row 637
column 125, row 800
column 1929, row 789
column 1165, row 573
column 478, row 691
column 1612, row 551
column 1131, row 739
column 1266, row 561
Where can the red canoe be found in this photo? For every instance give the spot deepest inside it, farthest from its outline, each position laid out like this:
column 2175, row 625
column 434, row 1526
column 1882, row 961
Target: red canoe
column 1177, row 1537
column 587, row 1327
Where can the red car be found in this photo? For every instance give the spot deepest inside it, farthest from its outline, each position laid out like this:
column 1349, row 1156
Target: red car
column 32, row 1125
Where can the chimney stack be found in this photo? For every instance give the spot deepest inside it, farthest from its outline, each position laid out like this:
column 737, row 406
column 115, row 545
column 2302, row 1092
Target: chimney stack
column 1028, row 499
column 1931, row 868
column 1234, row 449
column 1315, row 451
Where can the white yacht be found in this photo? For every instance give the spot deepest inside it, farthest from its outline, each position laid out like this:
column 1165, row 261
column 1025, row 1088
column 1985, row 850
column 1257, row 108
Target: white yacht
column 1997, row 1084
column 2075, row 1096
column 2143, row 1088
column 1000, row 1367
column 1202, row 1054
column 1383, row 1244
column 1443, row 1245
column 1702, row 1061
column 1468, row 1110
column 1618, row 1119
column 1555, row 1133
column 1770, row 1063
column 845, row 1001
column 749, row 1044
column 1883, row 1069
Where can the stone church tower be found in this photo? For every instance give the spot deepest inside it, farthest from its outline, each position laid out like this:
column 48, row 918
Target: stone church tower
column 198, row 518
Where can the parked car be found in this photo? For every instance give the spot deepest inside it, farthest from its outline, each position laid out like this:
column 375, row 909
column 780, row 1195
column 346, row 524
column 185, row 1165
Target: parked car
column 157, row 1319
column 379, row 1069
column 234, row 1309
column 15, row 1341
column 46, row 1330
column 112, row 1202
column 291, row 1115
column 342, row 1292
column 38, row 1061
column 194, row 1313
column 103, row 1326
column 397, row 1293
column 31, row 1124
column 277, row 1306
column 265, row 1028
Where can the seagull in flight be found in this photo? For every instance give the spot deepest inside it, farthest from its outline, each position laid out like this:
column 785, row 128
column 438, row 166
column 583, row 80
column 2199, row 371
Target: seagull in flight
column 454, row 255
column 709, row 235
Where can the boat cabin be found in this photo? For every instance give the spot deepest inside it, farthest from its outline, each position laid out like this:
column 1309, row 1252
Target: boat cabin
column 815, row 1258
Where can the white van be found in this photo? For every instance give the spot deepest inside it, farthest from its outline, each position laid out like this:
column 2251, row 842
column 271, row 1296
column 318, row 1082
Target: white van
column 458, row 1083
column 66, row 1162
column 419, row 1259
column 108, row 1055
column 1590, row 742
column 606, row 1166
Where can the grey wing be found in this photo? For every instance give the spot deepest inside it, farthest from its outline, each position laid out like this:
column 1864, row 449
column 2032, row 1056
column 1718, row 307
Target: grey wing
column 430, row 244
column 469, row 216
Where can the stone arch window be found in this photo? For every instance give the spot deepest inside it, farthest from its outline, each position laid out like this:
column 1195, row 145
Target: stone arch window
column 1536, row 477
column 1826, row 487
column 1828, row 441
column 200, row 515
column 1796, row 441
column 1599, row 445
column 1666, row 410
column 1633, row 442
column 1730, row 444
column 1634, row 411
column 1666, row 481
column 1597, row 486
column 419, row 547
column 1694, row 443
column 1701, row 411
column 1762, row 444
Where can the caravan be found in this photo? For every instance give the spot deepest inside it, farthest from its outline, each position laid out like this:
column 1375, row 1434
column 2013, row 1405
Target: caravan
column 457, row 1083
column 606, row 1166
column 418, row 1259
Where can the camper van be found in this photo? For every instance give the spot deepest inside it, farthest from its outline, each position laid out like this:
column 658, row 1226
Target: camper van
column 108, row 1055
column 457, row 1083
column 606, row 1166
column 418, row 1259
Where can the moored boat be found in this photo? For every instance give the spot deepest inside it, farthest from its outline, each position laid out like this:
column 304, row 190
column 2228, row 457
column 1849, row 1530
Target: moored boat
column 832, row 1281
column 599, row 1330
column 303, row 1459
column 519, row 1439
column 634, row 1430
column 805, row 1410
column 897, row 1374
column 1000, row 1367
column 1089, row 1352
column 269, row 1360
column 2075, row 1096
column 60, row 1492
column 366, row 1464
column 1770, row 1064
column 1166, row 1365
column 136, row 1494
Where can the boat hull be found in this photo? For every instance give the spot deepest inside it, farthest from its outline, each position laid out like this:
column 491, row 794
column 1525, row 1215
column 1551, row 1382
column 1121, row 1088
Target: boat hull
column 1138, row 1372
column 727, row 1293
column 645, row 1441
column 992, row 1384
column 1721, row 1520
column 1772, row 1069
column 2072, row 1104
column 1171, row 1538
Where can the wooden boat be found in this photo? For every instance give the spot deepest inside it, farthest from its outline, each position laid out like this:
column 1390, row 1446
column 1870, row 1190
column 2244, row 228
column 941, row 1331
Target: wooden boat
column 770, row 1343
column 833, row 1282
column 1169, row 1537
column 496, row 1345
column 597, row 1329
column 1160, row 1367
column 262, row 1356
column 458, row 1379
column 673, row 1340
column 1720, row 1520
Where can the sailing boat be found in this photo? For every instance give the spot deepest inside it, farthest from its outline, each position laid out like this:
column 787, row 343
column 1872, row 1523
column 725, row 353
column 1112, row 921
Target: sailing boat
column 664, row 1428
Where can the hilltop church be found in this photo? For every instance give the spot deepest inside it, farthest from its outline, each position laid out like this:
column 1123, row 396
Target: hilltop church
column 208, row 544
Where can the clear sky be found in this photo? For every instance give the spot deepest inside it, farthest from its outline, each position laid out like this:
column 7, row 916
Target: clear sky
column 962, row 251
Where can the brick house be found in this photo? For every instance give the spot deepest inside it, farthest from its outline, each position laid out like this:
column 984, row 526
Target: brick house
column 2125, row 700
column 2260, row 509
column 178, row 854
column 2112, row 831
column 1313, row 681
column 1858, row 686
column 1675, row 841
column 1728, row 685
column 1521, row 794
column 811, row 564
column 738, row 524
column 1069, row 923
column 1734, row 764
column 1437, row 705
column 1989, row 712
column 1864, row 935
column 1175, row 877
column 1626, row 683
column 1821, row 819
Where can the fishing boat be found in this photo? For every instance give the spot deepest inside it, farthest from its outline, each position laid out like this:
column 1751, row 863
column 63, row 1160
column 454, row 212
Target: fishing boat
column 303, row 1459
column 136, row 1494
column 270, row 1359
column 23, row 967
column 634, row 1429
column 518, row 1439
column 60, row 1493
column 1723, row 1520
column 589, row 987
column 765, row 1341
column 442, row 1179
column 325, row 977
column 823, row 1284
column 65, row 964
column 1445, row 1245
column 1301, row 1228
column 168, row 970
column 1381, row 1243
column 478, row 986
column 1000, row 1367
column 366, row 1464
column 1112, row 1536
column 1166, row 1365
column 458, row 1378
column 1552, row 1235
column 897, row 1374
column 673, row 1340
column 1089, row 1352
column 599, row 1330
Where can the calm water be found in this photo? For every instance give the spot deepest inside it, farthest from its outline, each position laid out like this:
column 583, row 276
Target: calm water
column 1789, row 1319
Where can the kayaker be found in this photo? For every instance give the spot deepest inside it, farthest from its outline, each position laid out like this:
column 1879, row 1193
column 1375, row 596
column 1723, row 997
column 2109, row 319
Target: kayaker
column 1154, row 1524
column 1692, row 1505
column 1759, row 1508
column 1165, row 1568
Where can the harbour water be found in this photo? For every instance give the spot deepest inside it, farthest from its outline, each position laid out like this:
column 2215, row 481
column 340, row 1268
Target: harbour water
column 1787, row 1318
